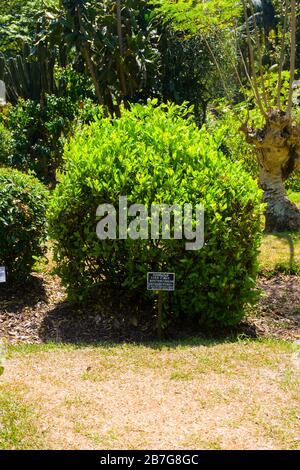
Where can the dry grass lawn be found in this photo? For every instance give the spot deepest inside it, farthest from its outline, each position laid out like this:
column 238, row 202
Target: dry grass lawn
column 197, row 395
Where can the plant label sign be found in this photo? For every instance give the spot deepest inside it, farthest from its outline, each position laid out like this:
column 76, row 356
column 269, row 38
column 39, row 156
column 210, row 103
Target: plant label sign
column 161, row 281
column 2, row 274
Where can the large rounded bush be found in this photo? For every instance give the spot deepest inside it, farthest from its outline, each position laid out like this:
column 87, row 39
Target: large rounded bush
column 157, row 155
column 23, row 201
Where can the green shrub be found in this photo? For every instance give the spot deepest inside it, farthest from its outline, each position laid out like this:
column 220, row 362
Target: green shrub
column 39, row 133
column 22, row 222
column 293, row 183
column 5, row 145
column 157, row 155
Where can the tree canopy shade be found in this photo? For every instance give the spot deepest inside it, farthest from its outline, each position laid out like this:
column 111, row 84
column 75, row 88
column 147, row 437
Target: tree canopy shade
column 200, row 15
column 80, row 52
column 18, row 23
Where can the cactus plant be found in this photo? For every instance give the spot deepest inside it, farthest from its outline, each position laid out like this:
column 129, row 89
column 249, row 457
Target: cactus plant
column 27, row 77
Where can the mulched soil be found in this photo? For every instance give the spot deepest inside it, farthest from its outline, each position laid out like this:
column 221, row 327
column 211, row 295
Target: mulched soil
column 278, row 313
column 39, row 312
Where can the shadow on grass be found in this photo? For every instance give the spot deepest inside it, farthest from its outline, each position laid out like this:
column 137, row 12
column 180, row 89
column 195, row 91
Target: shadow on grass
column 291, row 239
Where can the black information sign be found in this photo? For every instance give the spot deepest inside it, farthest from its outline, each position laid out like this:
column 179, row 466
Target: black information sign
column 161, row 281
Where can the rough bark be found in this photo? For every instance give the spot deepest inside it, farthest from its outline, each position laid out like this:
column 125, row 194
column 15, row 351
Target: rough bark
column 278, row 150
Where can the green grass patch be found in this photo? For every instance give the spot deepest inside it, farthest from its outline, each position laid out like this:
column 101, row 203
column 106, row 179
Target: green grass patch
column 127, row 349
column 294, row 197
column 18, row 429
column 24, row 348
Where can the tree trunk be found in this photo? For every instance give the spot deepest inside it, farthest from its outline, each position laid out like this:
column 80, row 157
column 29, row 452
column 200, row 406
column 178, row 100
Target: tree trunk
column 281, row 214
column 278, row 150
column 87, row 55
column 92, row 70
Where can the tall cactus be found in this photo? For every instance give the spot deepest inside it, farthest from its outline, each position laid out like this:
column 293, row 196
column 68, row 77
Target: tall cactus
column 27, row 77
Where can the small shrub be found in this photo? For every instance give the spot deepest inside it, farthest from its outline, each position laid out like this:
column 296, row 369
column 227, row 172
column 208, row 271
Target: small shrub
column 40, row 132
column 23, row 202
column 157, row 155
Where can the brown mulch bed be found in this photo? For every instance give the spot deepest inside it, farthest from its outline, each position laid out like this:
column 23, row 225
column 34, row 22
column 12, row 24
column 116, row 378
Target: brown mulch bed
column 39, row 312
column 278, row 313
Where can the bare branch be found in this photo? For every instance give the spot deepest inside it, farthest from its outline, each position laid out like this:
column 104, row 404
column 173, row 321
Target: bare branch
column 259, row 48
column 281, row 64
column 247, row 74
column 293, row 54
column 252, row 63
column 248, row 77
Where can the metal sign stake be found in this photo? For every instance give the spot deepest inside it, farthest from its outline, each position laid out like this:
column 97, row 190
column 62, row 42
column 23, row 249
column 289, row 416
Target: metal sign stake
column 160, row 315
column 160, row 282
